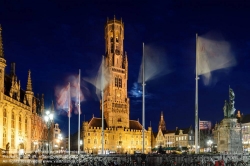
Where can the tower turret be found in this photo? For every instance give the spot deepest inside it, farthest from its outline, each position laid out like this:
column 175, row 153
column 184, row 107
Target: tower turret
column 2, row 65
column 29, row 93
column 162, row 124
column 116, row 101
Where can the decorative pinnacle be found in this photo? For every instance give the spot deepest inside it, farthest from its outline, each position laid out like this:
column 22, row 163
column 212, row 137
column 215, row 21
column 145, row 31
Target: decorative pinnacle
column 162, row 119
column 1, row 43
column 29, row 84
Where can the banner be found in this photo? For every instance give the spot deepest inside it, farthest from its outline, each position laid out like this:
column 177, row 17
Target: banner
column 205, row 125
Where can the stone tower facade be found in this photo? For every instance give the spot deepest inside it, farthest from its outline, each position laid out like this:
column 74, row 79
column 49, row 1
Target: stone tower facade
column 121, row 134
column 116, row 101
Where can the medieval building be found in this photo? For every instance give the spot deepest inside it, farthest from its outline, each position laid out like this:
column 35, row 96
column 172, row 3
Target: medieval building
column 120, row 133
column 178, row 139
column 21, row 123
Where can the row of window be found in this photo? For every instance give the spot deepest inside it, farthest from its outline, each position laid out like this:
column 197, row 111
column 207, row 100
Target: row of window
column 12, row 128
column 118, row 82
column 184, row 138
column 13, row 121
column 95, row 134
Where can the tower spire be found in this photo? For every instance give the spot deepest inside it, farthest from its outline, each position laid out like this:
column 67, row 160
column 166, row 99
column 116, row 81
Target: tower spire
column 1, row 43
column 162, row 124
column 29, row 84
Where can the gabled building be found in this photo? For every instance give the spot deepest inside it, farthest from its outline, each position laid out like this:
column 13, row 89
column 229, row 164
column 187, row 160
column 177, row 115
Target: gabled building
column 184, row 137
column 174, row 139
column 21, row 122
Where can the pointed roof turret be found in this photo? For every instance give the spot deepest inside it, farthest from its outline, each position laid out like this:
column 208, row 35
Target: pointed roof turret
column 29, row 84
column 162, row 124
column 1, row 43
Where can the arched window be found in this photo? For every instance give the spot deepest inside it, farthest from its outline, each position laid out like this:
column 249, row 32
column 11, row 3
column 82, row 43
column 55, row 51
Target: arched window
column 12, row 138
column 12, row 119
column 4, row 117
column 20, row 122
column 26, row 126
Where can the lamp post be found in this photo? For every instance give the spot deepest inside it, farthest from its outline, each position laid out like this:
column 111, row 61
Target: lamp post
column 49, row 120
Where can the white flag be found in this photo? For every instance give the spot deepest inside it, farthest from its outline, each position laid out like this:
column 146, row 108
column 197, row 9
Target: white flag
column 213, row 55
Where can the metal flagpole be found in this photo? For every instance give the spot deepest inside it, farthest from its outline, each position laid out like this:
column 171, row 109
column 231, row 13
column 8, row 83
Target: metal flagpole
column 143, row 99
column 102, row 88
column 196, row 100
column 199, row 136
column 69, row 120
column 79, row 110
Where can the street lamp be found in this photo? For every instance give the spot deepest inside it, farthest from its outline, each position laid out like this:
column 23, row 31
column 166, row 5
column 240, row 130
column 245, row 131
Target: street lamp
column 49, row 120
column 209, row 142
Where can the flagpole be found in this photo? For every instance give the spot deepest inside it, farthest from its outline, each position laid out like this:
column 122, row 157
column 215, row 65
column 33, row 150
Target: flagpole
column 196, row 100
column 199, row 134
column 102, row 88
column 79, row 107
column 143, row 99
column 69, row 120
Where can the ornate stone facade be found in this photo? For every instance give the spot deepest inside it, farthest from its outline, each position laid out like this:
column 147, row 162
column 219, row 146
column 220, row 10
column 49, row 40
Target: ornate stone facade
column 21, row 123
column 121, row 134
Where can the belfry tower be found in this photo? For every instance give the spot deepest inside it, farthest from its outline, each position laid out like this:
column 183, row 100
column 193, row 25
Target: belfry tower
column 116, row 101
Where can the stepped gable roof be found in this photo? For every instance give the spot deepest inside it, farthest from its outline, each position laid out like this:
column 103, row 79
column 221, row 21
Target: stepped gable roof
column 245, row 118
column 7, row 86
column 134, row 124
column 97, row 122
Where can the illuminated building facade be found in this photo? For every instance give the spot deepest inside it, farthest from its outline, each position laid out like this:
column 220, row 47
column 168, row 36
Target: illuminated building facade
column 182, row 139
column 21, row 123
column 121, row 134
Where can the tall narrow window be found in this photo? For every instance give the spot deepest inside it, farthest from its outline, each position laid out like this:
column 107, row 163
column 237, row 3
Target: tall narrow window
column 20, row 123
column 120, row 83
column 12, row 120
column 4, row 117
column 4, row 136
column 116, row 82
column 12, row 129
column 12, row 138
column 26, row 126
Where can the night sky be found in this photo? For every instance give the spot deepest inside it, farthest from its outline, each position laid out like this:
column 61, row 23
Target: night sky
column 54, row 39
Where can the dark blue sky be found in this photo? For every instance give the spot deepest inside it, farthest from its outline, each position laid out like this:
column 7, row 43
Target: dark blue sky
column 56, row 38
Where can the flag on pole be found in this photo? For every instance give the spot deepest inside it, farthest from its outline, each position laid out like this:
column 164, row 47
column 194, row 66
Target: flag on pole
column 63, row 99
column 213, row 55
column 205, row 125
